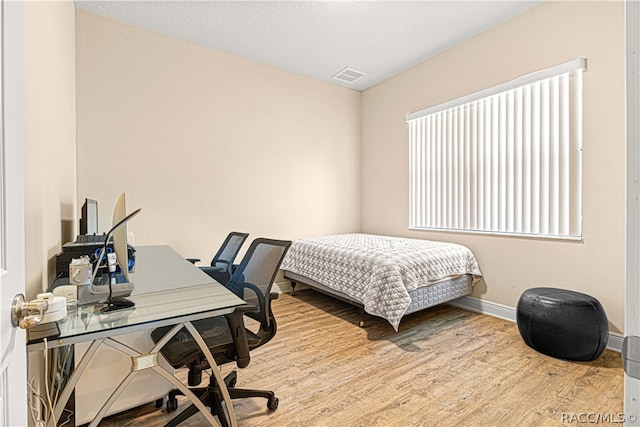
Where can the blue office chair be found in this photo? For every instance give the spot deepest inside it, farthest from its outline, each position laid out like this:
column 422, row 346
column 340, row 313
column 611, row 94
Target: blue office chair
column 221, row 267
column 226, row 337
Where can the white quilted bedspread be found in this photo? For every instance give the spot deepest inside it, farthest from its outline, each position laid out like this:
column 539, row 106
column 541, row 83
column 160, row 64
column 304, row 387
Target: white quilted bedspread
column 379, row 271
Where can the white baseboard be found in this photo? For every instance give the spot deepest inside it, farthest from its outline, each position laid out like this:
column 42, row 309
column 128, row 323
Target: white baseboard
column 486, row 307
column 509, row 313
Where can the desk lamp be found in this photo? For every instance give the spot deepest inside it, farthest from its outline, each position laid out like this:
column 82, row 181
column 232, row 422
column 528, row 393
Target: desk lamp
column 114, row 303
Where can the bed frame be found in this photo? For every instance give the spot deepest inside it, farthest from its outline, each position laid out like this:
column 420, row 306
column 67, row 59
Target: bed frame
column 421, row 298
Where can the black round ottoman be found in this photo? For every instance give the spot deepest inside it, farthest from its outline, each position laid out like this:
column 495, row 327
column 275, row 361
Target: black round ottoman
column 563, row 324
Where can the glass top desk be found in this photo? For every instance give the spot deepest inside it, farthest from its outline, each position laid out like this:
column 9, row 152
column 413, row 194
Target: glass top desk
column 168, row 291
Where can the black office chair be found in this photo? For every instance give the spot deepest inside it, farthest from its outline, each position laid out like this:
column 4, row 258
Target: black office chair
column 221, row 267
column 225, row 336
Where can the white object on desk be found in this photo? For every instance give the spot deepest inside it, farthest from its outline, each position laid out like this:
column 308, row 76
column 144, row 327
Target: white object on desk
column 80, row 271
column 57, row 308
column 70, row 292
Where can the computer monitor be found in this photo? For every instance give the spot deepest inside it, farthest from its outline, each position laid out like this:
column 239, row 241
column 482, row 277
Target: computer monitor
column 120, row 236
column 89, row 217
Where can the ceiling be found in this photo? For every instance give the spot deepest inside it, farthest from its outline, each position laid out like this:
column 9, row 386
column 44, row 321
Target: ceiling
column 320, row 38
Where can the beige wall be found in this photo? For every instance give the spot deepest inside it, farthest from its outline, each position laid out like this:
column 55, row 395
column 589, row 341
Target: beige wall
column 547, row 35
column 50, row 182
column 206, row 142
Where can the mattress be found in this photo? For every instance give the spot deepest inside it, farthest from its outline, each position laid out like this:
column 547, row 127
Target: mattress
column 438, row 293
column 382, row 272
column 421, row 298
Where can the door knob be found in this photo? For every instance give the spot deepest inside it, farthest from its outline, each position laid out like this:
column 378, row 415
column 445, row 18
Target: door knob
column 27, row 314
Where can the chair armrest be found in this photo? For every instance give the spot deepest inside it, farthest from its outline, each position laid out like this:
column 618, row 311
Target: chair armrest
column 239, row 334
column 193, row 260
column 249, row 308
column 219, row 274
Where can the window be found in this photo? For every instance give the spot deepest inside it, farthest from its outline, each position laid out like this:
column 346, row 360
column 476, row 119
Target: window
column 507, row 159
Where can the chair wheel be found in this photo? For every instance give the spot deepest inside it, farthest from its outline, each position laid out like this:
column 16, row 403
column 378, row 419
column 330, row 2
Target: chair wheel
column 172, row 404
column 231, row 380
column 159, row 402
column 272, row 403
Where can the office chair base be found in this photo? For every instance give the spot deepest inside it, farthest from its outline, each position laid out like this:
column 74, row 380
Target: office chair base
column 272, row 403
column 172, row 403
column 211, row 396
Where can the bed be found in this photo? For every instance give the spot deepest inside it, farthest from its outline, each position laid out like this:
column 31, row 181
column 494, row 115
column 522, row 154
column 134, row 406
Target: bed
column 384, row 276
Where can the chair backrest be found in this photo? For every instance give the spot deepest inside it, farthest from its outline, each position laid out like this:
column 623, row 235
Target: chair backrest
column 229, row 249
column 253, row 278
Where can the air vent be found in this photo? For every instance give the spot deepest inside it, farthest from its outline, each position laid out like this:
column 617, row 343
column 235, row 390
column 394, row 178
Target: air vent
column 349, row 75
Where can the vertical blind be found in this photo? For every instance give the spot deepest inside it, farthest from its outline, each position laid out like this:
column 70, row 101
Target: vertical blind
column 504, row 160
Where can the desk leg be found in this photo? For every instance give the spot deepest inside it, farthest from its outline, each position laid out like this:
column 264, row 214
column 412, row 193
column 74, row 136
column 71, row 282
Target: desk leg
column 144, row 361
column 117, row 392
column 73, row 380
column 216, row 372
column 147, row 361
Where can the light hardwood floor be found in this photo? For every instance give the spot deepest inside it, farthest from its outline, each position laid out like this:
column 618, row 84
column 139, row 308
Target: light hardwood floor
column 445, row 367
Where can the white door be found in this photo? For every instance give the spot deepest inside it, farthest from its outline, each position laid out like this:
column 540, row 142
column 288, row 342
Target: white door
column 13, row 355
column 632, row 275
